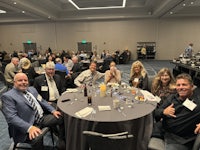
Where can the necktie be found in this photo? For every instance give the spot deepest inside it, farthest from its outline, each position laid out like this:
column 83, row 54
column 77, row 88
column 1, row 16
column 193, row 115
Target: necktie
column 33, row 104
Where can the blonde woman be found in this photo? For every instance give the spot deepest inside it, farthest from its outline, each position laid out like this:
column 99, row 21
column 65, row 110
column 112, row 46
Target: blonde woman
column 138, row 76
column 163, row 84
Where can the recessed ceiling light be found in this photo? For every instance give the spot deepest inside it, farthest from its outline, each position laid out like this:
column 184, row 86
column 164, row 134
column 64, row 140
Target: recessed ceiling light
column 184, row 4
column 106, row 7
column 170, row 12
column 2, row 11
column 23, row 12
column 192, row 3
column 14, row 3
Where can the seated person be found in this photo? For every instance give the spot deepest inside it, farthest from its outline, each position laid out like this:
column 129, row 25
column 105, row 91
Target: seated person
column 67, row 62
column 106, row 63
column 180, row 115
column 24, row 110
column 89, row 76
column 75, row 71
column 163, row 84
column 113, row 75
column 26, row 68
column 60, row 67
column 10, row 71
column 49, row 85
column 143, row 51
column 95, row 56
column 138, row 76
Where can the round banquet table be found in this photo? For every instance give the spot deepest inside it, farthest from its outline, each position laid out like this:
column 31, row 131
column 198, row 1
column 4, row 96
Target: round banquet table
column 137, row 120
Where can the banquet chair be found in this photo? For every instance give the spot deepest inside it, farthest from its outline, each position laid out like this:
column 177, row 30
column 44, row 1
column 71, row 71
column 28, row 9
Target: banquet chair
column 150, row 80
column 3, row 84
column 62, row 75
column 99, row 141
column 159, row 144
column 26, row 144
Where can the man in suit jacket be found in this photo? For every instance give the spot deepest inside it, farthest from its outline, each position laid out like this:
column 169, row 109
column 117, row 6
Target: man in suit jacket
column 49, row 85
column 21, row 115
column 75, row 71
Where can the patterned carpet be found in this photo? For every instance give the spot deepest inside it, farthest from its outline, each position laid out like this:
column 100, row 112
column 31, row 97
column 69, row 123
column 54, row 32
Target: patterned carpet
column 152, row 67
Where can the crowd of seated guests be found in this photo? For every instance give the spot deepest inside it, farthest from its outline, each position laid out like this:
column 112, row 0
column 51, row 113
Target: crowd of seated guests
column 172, row 92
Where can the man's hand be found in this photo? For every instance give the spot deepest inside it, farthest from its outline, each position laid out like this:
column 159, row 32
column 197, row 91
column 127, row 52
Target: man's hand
column 34, row 132
column 197, row 130
column 57, row 114
column 169, row 111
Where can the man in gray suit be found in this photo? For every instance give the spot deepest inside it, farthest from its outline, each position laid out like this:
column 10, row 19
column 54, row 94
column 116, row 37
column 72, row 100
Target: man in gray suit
column 23, row 118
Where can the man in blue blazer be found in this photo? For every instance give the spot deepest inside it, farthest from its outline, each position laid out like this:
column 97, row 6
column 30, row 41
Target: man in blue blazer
column 21, row 115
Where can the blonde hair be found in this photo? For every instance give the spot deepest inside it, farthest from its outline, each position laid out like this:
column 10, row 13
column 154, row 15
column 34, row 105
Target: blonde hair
column 157, row 83
column 138, row 64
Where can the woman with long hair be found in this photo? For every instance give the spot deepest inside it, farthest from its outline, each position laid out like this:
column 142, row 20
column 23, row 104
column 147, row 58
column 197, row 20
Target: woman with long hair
column 138, row 76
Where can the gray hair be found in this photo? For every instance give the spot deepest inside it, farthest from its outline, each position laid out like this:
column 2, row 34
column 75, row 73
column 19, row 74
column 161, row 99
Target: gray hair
column 50, row 65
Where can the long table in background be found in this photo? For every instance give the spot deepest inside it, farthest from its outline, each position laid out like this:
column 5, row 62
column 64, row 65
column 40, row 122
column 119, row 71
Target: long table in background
column 187, row 68
column 193, row 71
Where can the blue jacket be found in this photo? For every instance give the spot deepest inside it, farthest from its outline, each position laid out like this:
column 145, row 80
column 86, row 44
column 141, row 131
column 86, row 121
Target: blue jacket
column 61, row 67
column 19, row 114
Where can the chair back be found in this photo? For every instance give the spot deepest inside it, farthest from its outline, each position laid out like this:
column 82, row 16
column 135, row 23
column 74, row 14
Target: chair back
column 0, row 104
column 3, row 84
column 62, row 74
column 99, row 141
column 196, row 145
column 150, row 80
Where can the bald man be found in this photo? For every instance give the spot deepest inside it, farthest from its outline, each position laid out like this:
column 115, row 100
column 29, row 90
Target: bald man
column 11, row 70
column 24, row 118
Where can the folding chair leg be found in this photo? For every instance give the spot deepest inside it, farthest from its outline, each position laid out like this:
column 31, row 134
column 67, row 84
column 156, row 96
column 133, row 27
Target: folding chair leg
column 52, row 138
column 20, row 147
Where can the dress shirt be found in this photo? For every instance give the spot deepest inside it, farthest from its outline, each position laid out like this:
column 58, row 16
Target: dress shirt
column 87, row 77
column 53, row 90
column 69, row 64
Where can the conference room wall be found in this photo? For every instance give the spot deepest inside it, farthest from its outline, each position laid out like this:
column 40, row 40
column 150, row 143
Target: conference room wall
column 170, row 35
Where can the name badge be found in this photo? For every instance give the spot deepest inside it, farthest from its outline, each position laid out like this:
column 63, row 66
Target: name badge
column 189, row 104
column 136, row 80
column 44, row 88
column 39, row 97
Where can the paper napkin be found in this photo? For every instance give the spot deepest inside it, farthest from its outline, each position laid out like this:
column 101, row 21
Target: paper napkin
column 148, row 96
column 84, row 112
column 104, row 108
